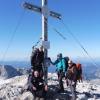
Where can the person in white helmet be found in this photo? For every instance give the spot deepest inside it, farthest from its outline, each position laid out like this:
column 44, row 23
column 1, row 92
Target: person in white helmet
column 71, row 78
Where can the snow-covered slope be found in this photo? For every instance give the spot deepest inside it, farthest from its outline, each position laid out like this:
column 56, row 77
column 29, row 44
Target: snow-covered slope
column 12, row 85
column 12, row 89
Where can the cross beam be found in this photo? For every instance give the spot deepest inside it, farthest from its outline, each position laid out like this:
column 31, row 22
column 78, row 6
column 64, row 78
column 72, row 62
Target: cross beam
column 39, row 10
column 45, row 13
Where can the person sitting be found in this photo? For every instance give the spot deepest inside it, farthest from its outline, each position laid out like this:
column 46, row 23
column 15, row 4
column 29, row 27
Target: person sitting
column 38, row 88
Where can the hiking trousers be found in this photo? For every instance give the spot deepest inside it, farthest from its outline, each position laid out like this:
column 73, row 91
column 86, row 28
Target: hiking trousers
column 60, row 77
column 73, row 89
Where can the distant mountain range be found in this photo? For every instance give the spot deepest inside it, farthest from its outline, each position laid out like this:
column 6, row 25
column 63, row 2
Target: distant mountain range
column 16, row 64
column 89, row 70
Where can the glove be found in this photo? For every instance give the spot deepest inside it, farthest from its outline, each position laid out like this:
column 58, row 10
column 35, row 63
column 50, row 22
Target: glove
column 49, row 58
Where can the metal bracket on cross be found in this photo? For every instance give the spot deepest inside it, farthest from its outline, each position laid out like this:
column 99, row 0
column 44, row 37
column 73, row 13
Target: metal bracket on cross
column 45, row 11
column 46, row 44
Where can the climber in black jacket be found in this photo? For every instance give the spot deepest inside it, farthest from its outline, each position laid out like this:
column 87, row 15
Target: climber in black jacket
column 39, row 89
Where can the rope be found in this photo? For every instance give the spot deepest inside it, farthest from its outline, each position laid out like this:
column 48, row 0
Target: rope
column 28, row 54
column 13, row 35
column 37, row 42
column 60, row 34
column 79, row 43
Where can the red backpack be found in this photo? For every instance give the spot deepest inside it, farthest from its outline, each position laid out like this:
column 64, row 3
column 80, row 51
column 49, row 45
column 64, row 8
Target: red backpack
column 79, row 71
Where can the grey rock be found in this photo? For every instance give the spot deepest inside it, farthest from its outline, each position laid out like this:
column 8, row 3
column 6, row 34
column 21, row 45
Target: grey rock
column 7, row 71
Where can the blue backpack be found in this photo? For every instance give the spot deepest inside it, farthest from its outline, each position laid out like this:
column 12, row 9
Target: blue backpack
column 66, row 62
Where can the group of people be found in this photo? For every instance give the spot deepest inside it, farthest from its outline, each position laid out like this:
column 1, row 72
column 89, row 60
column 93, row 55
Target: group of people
column 65, row 68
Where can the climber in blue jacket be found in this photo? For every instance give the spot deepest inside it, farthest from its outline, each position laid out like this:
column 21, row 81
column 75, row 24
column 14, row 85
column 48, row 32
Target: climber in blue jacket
column 60, row 68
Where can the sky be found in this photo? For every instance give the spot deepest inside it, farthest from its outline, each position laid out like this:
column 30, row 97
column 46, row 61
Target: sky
column 81, row 16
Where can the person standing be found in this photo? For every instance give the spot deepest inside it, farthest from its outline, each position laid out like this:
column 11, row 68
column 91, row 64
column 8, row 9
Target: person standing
column 71, row 78
column 60, row 68
column 37, row 60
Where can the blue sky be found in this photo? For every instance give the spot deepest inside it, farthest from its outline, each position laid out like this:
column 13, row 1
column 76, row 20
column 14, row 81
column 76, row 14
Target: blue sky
column 81, row 16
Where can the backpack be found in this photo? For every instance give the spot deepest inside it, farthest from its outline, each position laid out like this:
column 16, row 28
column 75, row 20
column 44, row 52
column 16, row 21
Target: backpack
column 66, row 62
column 34, row 57
column 79, row 71
column 37, row 59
